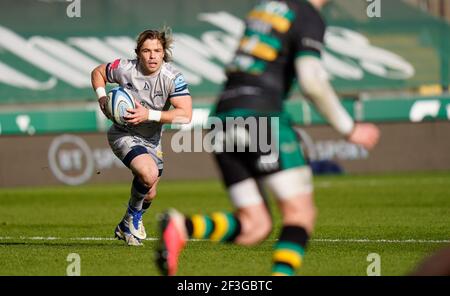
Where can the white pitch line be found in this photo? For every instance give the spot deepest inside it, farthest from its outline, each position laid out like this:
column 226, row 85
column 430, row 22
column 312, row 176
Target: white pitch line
column 327, row 240
column 365, row 240
column 377, row 182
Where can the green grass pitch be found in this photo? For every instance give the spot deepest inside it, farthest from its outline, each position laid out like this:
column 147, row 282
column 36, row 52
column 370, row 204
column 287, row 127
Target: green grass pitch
column 403, row 218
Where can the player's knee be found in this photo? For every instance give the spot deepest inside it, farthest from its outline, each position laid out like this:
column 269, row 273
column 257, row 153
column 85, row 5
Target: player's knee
column 151, row 194
column 310, row 217
column 148, row 178
column 307, row 213
column 302, row 215
column 256, row 227
column 314, row 214
column 148, row 198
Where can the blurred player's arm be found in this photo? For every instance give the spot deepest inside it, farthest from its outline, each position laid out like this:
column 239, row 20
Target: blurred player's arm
column 313, row 80
column 98, row 81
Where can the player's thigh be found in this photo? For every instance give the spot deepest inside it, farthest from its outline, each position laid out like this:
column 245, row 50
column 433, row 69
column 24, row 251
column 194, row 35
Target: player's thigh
column 137, row 155
column 231, row 167
column 239, row 181
column 145, row 168
column 291, row 183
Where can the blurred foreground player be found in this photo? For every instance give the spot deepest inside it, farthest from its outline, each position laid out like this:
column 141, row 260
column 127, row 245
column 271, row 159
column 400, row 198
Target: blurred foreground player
column 437, row 264
column 282, row 41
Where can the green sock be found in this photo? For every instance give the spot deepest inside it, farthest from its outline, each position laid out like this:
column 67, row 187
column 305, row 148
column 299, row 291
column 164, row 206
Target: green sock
column 289, row 250
column 220, row 227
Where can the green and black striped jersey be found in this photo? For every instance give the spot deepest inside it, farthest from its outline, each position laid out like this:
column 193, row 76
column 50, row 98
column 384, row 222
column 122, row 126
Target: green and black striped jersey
column 263, row 69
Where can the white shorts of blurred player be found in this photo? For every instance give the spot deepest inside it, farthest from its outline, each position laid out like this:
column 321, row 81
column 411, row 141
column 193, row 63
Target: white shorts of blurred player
column 284, row 184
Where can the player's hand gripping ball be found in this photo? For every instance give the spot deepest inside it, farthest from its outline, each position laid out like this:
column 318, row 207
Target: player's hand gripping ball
column 119, row 100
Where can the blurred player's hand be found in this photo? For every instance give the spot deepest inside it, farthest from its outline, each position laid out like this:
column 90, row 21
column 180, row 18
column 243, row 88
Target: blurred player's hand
column 138, row 115
column 102, row 102
column 365, row 134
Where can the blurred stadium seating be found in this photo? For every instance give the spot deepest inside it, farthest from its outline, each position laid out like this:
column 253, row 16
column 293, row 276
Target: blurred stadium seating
column 403, row 50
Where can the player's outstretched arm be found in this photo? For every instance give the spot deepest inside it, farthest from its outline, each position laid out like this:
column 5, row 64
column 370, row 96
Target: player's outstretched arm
column 313, row 80
column 98, row 81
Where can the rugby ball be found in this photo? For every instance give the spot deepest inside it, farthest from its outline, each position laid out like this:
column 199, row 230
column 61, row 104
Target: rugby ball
column 119, row 101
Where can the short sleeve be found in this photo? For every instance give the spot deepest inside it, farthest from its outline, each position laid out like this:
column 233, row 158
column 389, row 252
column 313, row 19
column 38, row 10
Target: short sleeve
column 179, row 87
column 115, row 69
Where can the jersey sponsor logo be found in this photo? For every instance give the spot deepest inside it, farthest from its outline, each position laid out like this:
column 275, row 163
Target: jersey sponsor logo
column 179, row 81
